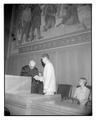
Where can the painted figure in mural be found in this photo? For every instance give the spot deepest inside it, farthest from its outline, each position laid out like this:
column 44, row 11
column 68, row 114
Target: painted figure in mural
column 19, row 32
column 31, row 70
column 50, row 16
column 35, row 21
column 48, row 77
column 70, row 15
column 25, row 21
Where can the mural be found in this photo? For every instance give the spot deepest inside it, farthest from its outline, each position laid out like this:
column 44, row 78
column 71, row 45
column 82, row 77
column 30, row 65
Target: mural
column 39, row 21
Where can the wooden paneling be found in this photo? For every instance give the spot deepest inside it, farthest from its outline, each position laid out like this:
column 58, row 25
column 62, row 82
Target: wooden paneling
column 73, row 63
column 70, row 55
column 70, row 63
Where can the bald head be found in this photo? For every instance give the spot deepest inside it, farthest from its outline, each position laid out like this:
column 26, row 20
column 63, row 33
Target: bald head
column 32, row 64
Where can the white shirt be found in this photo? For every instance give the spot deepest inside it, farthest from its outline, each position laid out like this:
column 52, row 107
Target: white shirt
column 82, row 94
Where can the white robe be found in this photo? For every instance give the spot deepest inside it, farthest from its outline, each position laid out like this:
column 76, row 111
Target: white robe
column 49, row 79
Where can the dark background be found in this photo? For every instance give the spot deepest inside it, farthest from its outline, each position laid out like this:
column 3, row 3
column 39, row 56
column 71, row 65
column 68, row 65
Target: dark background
column 7, row 23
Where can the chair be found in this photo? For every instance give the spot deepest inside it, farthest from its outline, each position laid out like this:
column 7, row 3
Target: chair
column 65, row 90
column 89, row 103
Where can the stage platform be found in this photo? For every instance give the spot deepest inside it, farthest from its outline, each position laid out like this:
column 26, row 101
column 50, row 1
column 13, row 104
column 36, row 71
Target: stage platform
column 20, row 101
column 25, row 103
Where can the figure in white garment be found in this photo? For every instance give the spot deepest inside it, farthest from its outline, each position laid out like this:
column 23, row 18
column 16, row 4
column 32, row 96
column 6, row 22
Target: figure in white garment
column 48, row 78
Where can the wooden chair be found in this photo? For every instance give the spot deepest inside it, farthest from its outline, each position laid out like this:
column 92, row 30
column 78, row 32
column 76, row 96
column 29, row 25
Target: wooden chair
column 89, row 103
column 65, row 90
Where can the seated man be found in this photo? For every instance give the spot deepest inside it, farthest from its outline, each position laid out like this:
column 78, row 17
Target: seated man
column 82, row 93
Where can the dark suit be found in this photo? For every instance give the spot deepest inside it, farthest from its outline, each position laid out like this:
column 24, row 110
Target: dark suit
column 36, row 86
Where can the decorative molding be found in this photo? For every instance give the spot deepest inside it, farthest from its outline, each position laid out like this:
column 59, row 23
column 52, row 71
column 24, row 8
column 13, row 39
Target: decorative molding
column 64, row 41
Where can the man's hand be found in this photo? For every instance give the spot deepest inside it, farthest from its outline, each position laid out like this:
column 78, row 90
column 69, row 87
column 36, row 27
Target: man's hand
column 40, row 78
column 36, row 77
column 40, row 74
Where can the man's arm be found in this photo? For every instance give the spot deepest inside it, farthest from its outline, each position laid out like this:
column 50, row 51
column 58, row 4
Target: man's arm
column 74, row 98
column 47, row 76
column 40, row 78
column 75, row 94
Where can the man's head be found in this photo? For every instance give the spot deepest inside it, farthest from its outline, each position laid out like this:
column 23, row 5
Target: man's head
column 32, row 64
column 82, row 81
column 45, row 58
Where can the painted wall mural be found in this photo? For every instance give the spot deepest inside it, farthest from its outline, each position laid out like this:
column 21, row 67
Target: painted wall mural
column 35, row 22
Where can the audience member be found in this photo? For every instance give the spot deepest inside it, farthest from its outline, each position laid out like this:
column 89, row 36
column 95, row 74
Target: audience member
column 82, row 92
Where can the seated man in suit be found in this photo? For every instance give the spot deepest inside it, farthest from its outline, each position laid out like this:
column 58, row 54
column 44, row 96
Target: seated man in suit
column 82, row 93
column 31, row 70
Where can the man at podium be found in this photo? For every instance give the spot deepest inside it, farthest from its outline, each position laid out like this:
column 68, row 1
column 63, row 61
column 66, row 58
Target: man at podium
column 31, row 70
